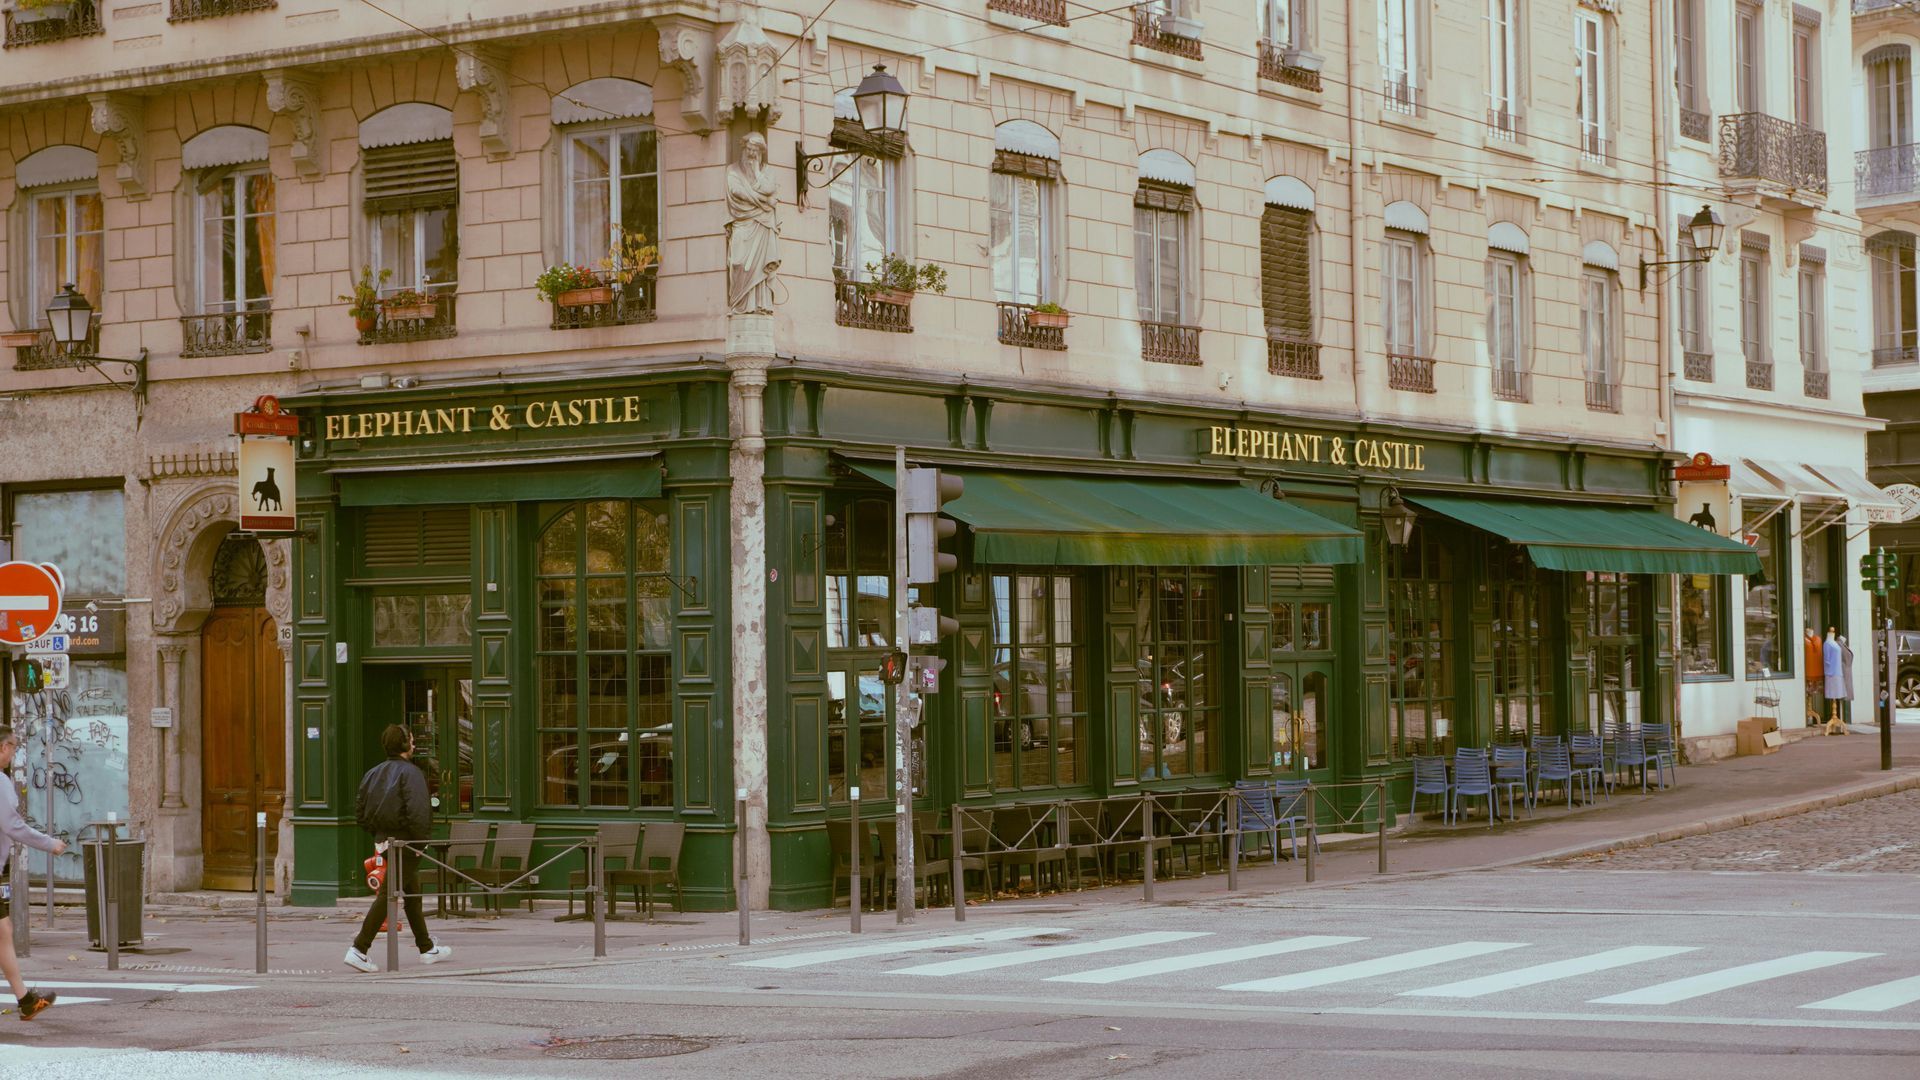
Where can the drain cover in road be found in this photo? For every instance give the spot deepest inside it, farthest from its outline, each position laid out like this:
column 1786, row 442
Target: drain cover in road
column 625, row 1048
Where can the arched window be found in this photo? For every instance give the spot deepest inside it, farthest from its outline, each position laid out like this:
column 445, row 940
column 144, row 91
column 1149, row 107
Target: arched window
column 411, row 184
column 1163, row 207
column 235, row 240
column 1896, row 301
column 1286, row 278
column 864, row 203
column 1022, row 191
column 66, row 221
column 1406, row 298
column 1508, row 305
column 604, row 687
column 610, row 165
column 1600, row 325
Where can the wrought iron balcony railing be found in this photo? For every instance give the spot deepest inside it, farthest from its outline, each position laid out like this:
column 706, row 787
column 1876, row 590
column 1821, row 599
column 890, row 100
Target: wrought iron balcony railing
column 626, row 305
column 1755, row 146
column 1896, row 355
column 1016, row 330
column 1603, row 395
column 1510, row 383
column 226, row 333
column 1759, row 373
column 424, row 322
column 1150, row 29
column 37, row 26
column 1815, row 384
column 1595, row 147
column 1296, row 359
column 1698, row 366
column 1400, row 94
column 1697, row 126
column 1410, row 373
column 44, row 354
column 1046, row 11
column 1169, row 343
column 188, row 10
column 1504, row 125
column 1886, row 170
column 850, row 308
column 1274, row 68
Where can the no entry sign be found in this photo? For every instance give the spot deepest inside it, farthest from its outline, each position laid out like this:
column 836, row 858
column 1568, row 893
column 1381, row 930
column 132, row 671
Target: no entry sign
column 29, row 601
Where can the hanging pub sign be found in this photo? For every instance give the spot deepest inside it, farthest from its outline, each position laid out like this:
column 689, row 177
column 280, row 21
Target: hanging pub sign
column 1705, row 501
column 266, row 484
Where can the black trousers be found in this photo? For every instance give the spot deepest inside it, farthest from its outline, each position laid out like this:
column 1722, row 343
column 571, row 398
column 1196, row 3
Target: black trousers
column 408, row 864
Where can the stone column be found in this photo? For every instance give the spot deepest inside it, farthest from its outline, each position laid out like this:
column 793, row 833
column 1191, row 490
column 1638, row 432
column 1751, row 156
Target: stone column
column 749, row 352
column 172, row 656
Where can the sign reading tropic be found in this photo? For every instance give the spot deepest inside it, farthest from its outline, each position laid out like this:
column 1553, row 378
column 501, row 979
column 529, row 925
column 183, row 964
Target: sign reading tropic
column 1279, row 444
column 464, row 419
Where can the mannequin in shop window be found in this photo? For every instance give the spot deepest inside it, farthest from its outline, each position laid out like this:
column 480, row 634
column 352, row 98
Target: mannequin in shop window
column 1816, row 679
column 1838, row 659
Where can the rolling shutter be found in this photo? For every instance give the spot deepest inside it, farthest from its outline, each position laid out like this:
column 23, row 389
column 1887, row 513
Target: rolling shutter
column 402, row 537
column 1286, row 287
column 411, row 177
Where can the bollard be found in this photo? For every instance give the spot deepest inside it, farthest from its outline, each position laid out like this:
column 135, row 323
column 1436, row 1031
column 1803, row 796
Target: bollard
column 597, row 859
column 22, row 934
column 260, row 893
column 1233, row 843
column 859, row 856
column 1313, row 815
column 1381, row 797
column 392, row 885
column 742, row 892
column 1146, row 846
column 957, row 874
column 110, row 911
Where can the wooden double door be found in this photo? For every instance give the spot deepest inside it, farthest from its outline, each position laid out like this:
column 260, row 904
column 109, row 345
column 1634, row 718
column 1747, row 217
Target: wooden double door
column 242, row 742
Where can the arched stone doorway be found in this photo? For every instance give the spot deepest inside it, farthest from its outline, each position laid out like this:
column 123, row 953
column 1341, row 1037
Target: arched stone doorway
column 242, row 729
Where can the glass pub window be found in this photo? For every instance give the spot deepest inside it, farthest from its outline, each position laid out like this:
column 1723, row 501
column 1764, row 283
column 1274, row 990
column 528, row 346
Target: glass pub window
column 1766, row 617
column 1177, row 628
column 604, row 655
column 859, row 568
column 1613, row 648
column 1039, row 706
column 1703, row 625
column 1420, row 681
column 1522, row 654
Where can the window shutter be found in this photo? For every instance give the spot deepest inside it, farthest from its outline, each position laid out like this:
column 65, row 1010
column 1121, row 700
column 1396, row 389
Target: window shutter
column 397, row 538
column 1158, row 195
column 1006, row 161
column 1286, row 287
column 849, row 135
column 411, row 177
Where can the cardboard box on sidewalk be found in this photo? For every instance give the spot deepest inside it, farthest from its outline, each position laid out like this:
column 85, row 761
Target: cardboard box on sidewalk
column 1753, row 736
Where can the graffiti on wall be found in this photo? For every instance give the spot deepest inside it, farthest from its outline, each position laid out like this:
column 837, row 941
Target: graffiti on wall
column 84, row 778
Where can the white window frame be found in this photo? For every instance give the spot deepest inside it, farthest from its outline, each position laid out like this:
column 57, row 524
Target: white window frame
column 1806, row 74
column 207, row 292
column 69, row 243
column 1813, row 316
column 575, row 134
column 1400, row 52
column 1503, row 67
column 1403, row 262
column 1509, row 269
column 1896, row 296
column 1180, row 222
column 1599, row 326
column 1041, row 222
column 1749, row 52
column 1686, row 51
column 853, row 179
column 413, row 277
column 1283, row 23
column 1753, row 305
column 1690, row 300
column 1591, row 84
column 1890, row 84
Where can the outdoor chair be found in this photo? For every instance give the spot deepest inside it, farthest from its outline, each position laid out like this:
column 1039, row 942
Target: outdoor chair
column 1630, row 752
column 509, row 860
column 1257, row 816
column 617, row 839
column 658, row 865
column 1510, row 772
column 1124, row 824
column 466, row 849
column 1556, row 766
column 840, row 850
column 1430, row 778
column 1658, row 738
column 979, row 854
column 1473, row 779
column 1023, row 836
column 1083, row 842
column 1187, row 822
column 928, row 874
column 1292, row 807
column 1589, row 758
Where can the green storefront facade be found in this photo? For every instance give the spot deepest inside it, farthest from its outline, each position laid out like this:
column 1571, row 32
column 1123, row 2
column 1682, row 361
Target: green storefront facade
column 537, row 576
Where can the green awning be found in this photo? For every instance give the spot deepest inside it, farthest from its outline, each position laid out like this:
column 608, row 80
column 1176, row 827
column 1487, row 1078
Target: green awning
column 631, row 476
column 1622, row 539
column 1053, row 519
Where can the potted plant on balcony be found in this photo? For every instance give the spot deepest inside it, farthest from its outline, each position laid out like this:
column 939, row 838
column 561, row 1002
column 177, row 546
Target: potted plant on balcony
column 629, row 257
column 572, row 286
column 29, row 11
column 409, row 304
column 363, row 303
column 1049, row 316
column 894, row 280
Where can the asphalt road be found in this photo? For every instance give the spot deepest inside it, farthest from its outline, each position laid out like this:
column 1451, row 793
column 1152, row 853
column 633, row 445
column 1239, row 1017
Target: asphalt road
column 1606, row 967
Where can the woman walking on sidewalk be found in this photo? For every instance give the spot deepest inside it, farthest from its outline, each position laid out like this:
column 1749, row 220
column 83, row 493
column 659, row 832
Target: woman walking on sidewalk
column 15, row 830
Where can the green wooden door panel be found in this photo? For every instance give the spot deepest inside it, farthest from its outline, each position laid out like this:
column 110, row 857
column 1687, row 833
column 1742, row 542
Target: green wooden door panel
column 976, row 750
column 697, row 738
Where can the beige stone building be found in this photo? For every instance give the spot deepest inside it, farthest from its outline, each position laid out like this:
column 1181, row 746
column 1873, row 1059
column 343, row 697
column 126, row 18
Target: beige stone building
column 1366, row 256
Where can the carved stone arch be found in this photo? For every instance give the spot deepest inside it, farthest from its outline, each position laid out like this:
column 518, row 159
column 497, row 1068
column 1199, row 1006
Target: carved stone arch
column 184, row 563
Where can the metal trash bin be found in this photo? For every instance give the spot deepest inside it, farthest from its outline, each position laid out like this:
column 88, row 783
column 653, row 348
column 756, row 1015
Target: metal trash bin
column 129, row 884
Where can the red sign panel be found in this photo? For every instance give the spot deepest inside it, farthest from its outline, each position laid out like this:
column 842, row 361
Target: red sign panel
column 266, row 418
column 29, row 601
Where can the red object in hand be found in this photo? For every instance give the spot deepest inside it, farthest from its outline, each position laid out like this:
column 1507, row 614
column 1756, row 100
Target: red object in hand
column 376, row 867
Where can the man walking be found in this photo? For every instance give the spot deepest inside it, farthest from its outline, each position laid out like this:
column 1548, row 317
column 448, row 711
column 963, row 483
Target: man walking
column 15, row 830
column 392, row 805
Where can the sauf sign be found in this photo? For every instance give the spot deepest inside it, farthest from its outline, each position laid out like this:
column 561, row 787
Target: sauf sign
column 266, row 466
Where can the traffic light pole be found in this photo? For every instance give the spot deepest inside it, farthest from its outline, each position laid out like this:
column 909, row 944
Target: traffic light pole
column 902, row 704
column 1892, row 683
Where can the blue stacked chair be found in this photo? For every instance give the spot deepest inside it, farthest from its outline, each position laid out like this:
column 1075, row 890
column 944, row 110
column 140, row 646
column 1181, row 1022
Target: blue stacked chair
column 1256, row 814
column 1473, row 778
column 1290, row 808
column 1510, row 772
column 1630, row 752
column 1556, row 766
column 1665, row 757
column 1589, row 758
column 1430, row 778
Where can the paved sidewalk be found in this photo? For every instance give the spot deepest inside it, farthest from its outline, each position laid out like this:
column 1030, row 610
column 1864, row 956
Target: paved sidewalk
column 1810, row 774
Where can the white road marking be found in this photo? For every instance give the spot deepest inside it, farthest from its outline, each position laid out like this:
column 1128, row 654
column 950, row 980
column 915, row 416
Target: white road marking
column 1713, row 982
column 1385, row 965
column 1559, row 969
column 1887, row 995
column 1202, row 959
column 888, row 948
column 1862, row 857
column 969, row 964
column 165, row 988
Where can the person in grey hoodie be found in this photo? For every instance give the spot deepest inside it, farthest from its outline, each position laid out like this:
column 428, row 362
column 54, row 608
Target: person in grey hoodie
column 15, row 830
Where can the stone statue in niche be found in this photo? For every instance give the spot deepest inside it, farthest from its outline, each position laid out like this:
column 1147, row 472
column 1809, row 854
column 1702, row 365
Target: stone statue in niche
column 753, row 230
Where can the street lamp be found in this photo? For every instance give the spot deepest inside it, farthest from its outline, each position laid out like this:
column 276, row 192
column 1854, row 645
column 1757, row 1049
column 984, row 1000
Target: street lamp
column 1397, row 518
column 71, row 319
column 882, row 104
column 1704, row 230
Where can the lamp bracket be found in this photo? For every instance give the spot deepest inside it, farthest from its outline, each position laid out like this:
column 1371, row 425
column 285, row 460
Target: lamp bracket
column 1646, row 266
column 805, row 165
column 136, row 372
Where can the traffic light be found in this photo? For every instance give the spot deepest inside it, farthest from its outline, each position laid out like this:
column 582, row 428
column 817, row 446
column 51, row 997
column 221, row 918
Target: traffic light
column 893, row 668
column 922, row 496
column 1880, row 572
column 926, row 626
column 28, row 676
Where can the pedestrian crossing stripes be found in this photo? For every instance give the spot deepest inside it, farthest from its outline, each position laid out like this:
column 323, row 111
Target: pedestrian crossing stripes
column 1465, row 957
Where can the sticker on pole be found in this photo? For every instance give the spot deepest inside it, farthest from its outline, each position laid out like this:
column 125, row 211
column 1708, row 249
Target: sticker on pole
column 29, row 601
column 55, row 670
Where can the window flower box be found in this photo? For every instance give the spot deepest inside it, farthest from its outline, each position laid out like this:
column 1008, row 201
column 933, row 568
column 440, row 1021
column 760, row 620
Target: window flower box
column 424, row 309
column 896, row 297
column 1048, row 320
column 587, row 297
column 19, row 339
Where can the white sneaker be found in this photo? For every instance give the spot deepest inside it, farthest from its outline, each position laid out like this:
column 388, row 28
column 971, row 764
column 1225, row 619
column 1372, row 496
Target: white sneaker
column 358, row 961
column 436, row 954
